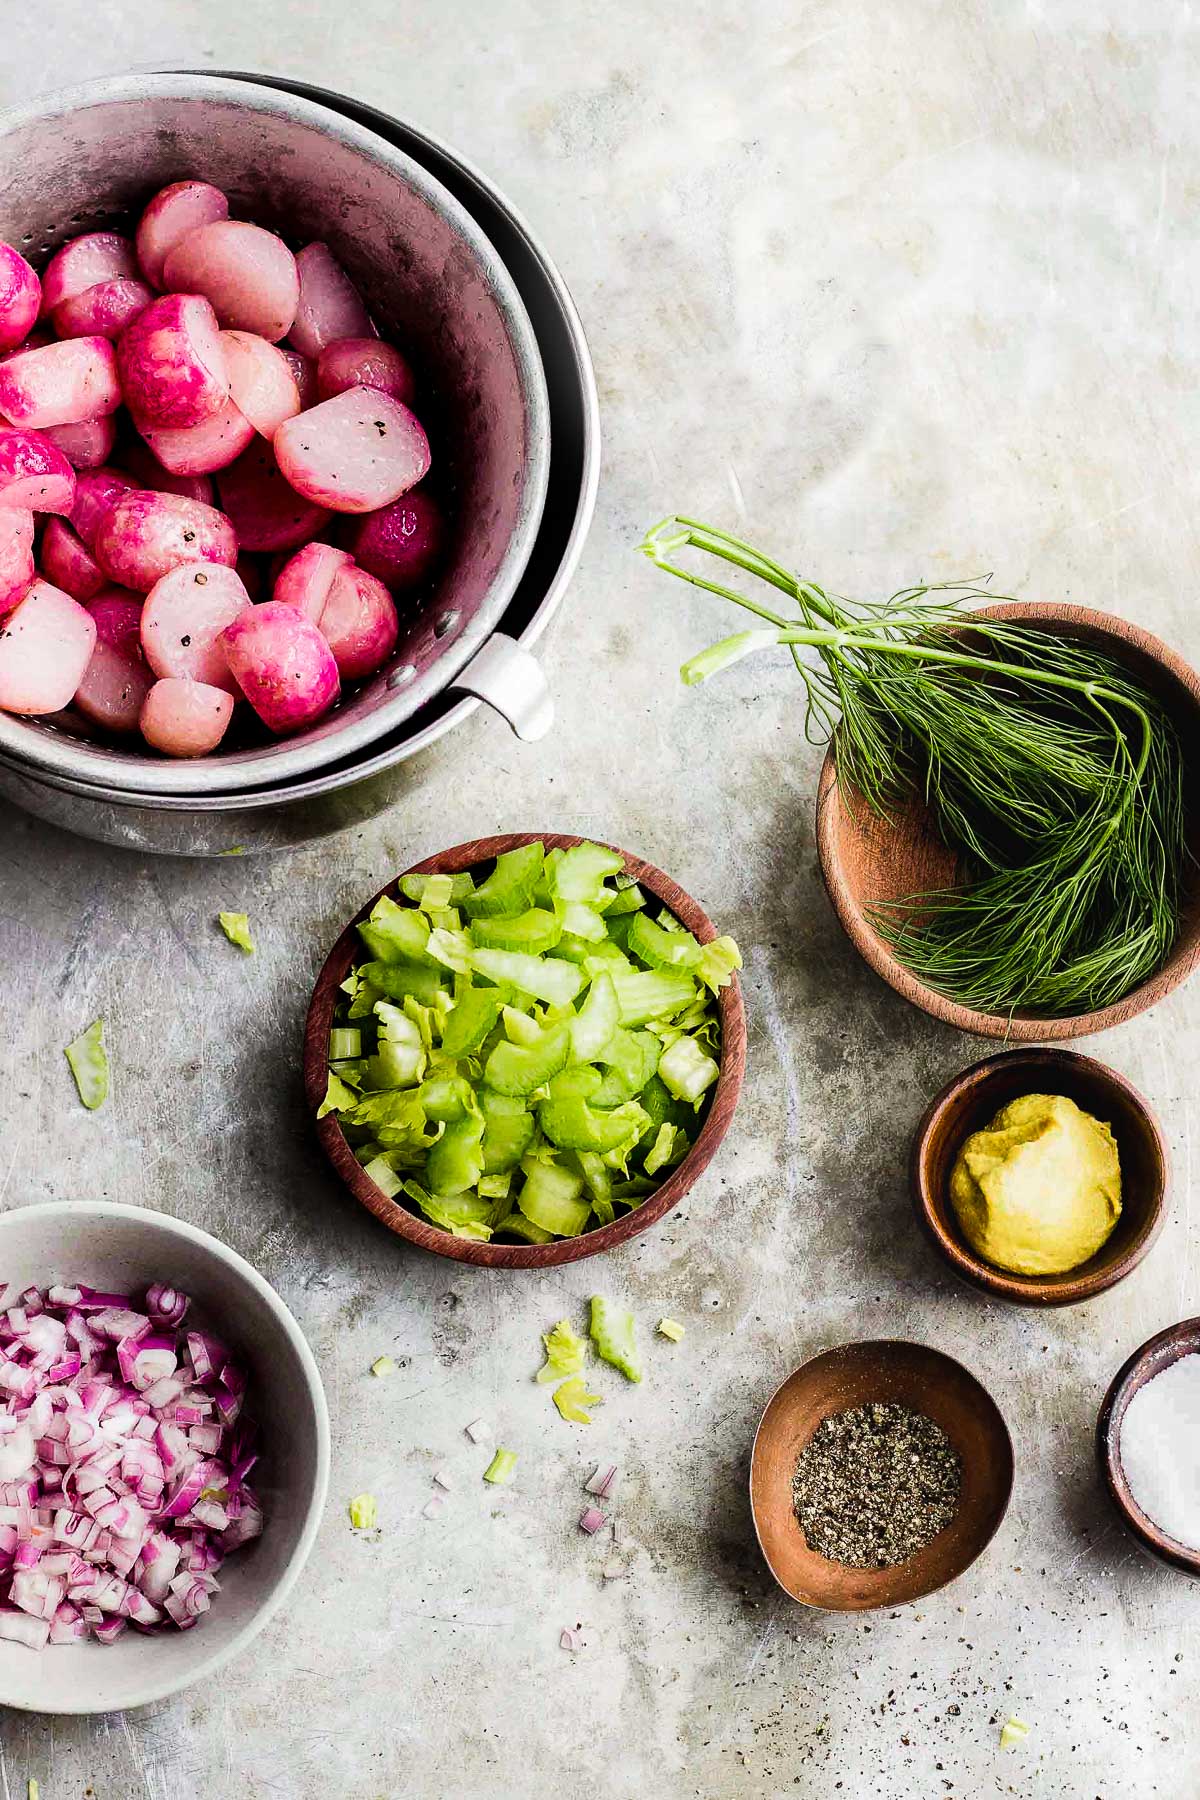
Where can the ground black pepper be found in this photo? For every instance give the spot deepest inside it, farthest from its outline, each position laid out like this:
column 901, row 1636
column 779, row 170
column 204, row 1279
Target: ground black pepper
column 875, row 1484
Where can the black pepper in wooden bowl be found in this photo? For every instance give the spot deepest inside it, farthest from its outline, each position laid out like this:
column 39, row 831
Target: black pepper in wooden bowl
column 875, row 1484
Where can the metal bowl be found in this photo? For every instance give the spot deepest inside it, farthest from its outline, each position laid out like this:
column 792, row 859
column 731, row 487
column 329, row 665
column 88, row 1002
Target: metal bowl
column 92, row 156
column 358, row 788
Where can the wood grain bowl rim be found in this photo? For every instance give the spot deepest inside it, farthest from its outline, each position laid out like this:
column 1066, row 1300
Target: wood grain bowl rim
column 1076, row 1285
column 1148, row 1360
column 717, row 1118
column 1019, row 1027
column 988, row 1410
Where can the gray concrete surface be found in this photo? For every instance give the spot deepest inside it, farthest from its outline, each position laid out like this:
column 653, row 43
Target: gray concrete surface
column 907, row 290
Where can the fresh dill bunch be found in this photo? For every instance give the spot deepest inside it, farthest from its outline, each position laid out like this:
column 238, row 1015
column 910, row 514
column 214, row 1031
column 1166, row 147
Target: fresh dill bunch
column 1054, row 774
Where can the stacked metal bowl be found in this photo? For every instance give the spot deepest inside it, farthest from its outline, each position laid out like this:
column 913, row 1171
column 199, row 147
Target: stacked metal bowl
column 451, row 271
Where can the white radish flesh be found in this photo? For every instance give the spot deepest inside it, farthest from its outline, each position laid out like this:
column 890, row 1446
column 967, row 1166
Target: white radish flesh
column 185, row 718
column 364, row 362
column 20, row 298
column 16, row 555
column 87, row 445
column 144, row 536
column 96, row 493
column 116, row 680
column 247, row 273
column 171, row 363
column 85, row 261
column 201, row 449
column 267, row 513
column 330, row 305
column 261, row 382
column 46, row 643
column 34, row 476
column 354, row 453
column 104, row 310
column 147, row 472
column 69, row 564
column 359, row 623
column 306, row 578
column 173, row 212
column 282, row 664
column 182, row 622
column 401, row 543
column 60, row 384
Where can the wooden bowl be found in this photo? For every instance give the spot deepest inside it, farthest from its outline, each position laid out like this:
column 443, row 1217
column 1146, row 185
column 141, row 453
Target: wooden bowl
column 722, row 1101
column 865, row 859
column 855, row 1375
column 974, row 1098
column 1157, row 1354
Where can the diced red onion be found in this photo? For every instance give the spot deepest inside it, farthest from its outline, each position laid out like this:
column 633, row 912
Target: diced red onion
column 479, row 1431
column 23, row 1628
column 432, row 1508
column 166, row 1305
column 568, row 1640
column 602, row 1481
column 443, row 1478
column 591, row 1519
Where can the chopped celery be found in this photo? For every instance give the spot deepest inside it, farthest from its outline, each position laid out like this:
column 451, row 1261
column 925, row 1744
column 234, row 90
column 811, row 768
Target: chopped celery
column 686, row 1071
column 572, row 1400
column 631, row 1058
column 88, row 1061
column 399, row 981
column 573, row 1125
column 471, row 1020
column 366, row 997
column 519, row 1028
column 550, row 1198
column 415, row 887
column 1013, row 1731
column 535, row 931
column 545, row 977
column 452, row 949
column 395, row 1064
column 519, row 1068
column 383, row 1175
column 510, row 886
column 495, row 1187
column 506, row 1135
column 628, row 898
column 500, row 1470
column 437, row 893
column 394, row 933
column 645, row 994
column 583, row 922
column 364, row 1512
column 717, row 961
column 580, row 873
column 236, row 927
column 447, row 1096
column 338, row 1097
column 668, row 1146
column 350, row 1069
column 611, row 1331
column 564, row 1352
column 661, row 949
column 670, row 1328
column 597, row 1177
column 596, row 1020
column 463, row 1215
column 455, row 1162
column 345, row 1041
column 383, row 1365
column 517, row 1225
column 603, row 1210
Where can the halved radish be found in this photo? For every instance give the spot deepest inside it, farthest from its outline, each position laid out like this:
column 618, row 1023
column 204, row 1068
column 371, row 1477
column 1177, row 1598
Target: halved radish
column 365, row 362
column 148, row 472
column 354, row 453
column 185, row 718
column 305, row 579
column 46, row 643
column 20, row 298
column 330, row 305
column 267, row 513
column 16, row 555
column 304, row 373
column 261, row 382
column 282, row 664
column 60, row 384
column 96, row 256
column 173, row 212
column 171, row 362
column 69, row 564
column 87, row 445
column 96, row 493
column 359, row 623
column 400, row 543
column 201, row 449
column 249, row 275
column 116, row 680
column 34, row 476
column 144, row 536
column 103, row 310
column 184, row 616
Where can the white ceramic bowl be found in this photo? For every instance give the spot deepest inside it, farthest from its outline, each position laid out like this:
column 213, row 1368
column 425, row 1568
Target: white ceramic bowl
column 122, row 1248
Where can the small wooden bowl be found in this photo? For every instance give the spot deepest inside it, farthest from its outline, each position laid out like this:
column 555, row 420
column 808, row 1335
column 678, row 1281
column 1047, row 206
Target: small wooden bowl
column 974, row 1098
column 1157, row 1354
column 722, row 1101
column 865, row 859
column 855, row 1375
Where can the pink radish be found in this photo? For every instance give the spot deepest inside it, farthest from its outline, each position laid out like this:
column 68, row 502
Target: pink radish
column 173, row 212
column 359, row 623
column 249, row 275
column 330, row 305
column 46, row 643
column 85, row 261
column 267, row 513
column 16, row 555
column 103, row 310
column 304, row 373
column 261, row 382
column 364, row 362
column 400, row 543
column 20, row 298
column 184, row 616
column 34, row 476
column 171, row 362
column 69, row 564
column 185, row 718
column 96, row 492
column 61, row 384
column 305, row 579
column 282, row 664
column 116, row 680
column 87, row 445
column 201, row 449
column 354, row 453
column 148, row 472
column 144, row 536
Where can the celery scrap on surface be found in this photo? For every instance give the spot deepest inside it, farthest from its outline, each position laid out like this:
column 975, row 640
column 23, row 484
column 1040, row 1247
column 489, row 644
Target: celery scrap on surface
column 236, row 927
column 572, row 1400
column 564, row 1352
column 88, row 1060
column 612, row 1332
column 500, row 1470
column 1012, row 1731
column 670, row 1328
column 364, row 1512
column 383, row 1365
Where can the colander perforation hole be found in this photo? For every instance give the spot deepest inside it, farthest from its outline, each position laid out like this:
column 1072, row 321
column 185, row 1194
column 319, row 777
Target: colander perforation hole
column 445, row 625
column 401, row 677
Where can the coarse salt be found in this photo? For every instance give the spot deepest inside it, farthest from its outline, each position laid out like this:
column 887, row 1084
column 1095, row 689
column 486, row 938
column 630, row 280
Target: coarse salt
column 1160, row 1450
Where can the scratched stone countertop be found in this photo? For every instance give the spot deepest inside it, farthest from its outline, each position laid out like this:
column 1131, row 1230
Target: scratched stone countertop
column 905, row 290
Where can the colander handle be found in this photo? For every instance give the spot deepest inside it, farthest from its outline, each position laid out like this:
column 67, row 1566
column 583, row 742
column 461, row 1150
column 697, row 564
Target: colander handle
column 508, row 678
